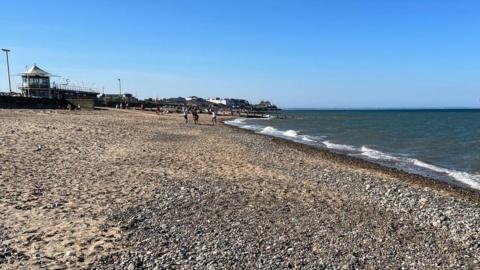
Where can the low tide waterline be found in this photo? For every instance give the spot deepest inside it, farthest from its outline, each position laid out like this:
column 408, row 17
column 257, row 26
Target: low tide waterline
column 441, row 144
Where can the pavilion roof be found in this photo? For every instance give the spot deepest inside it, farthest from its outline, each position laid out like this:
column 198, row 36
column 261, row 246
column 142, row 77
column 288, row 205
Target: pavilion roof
column 35, row 71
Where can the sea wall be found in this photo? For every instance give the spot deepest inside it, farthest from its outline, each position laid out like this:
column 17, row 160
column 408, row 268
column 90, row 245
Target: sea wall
column 12, row 102
column 86, row 103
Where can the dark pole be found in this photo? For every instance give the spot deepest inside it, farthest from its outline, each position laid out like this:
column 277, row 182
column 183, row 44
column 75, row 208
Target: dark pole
column 8, row 68
column 28, row 82
column 120, row 86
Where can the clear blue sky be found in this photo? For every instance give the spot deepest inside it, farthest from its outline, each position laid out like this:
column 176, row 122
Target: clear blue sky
column 294, row 53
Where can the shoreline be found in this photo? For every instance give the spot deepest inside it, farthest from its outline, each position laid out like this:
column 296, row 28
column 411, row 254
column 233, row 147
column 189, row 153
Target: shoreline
column 459, row 189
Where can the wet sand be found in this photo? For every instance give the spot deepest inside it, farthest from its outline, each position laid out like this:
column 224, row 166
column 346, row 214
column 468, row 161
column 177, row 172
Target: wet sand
column 130, row 190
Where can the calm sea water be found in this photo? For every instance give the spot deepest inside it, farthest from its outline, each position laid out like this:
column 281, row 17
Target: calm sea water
column 443, row 144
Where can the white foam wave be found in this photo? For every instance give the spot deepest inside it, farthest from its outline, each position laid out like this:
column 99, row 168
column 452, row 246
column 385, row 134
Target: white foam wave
column 471, row 180
column 344, row 147
column 422, row 164
column 290, row 133
column 236, row 122
column 269, row 130
column 307, row 139
column 375, row 154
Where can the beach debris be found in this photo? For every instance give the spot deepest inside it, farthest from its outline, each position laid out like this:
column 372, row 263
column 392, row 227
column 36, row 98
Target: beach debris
column 70, row 253
column 39, row 147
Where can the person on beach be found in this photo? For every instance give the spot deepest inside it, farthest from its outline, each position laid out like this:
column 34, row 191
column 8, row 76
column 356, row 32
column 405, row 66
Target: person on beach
column 185, row 114
column 214, row 116
column 195, row 116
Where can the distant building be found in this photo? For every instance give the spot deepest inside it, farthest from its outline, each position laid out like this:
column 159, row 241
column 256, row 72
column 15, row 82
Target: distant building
column 266, row 105
column 117, row 98
column 194, row 98
column 217, row 100
column 36, row 83
column 230, row 102
column 174, row 101
column 195, row 101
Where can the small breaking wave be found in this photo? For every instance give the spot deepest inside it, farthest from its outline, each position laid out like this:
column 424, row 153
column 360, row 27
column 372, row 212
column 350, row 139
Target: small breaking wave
column 269, row 130
column 307, row 139
column 240, row 122
column 473, row 180
column 236, row 122
column 290, row 133
column 375, row 154
column 343, row 147
column 412, row 164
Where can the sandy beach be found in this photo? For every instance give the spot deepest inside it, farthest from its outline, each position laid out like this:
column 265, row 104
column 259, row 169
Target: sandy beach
column 118, row 189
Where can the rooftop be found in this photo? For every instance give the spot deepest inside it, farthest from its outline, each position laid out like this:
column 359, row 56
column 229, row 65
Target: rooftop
column 35, row 71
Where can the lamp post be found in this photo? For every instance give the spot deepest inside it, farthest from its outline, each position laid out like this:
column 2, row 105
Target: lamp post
column 28, row 82
column 120, row 86
column 8, row 68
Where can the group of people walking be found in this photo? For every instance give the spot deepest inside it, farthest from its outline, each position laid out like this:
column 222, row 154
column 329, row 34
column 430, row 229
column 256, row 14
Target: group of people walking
column 194, row 112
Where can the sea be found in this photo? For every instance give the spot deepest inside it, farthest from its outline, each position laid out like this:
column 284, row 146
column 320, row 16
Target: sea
column 443, row 144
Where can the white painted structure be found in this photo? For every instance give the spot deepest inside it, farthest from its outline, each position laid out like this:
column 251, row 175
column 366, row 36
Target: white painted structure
column 218, row 100
column 192, row 98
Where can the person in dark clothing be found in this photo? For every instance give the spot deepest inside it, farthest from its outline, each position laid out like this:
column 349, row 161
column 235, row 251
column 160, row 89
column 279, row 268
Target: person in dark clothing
column 195, row 116
column 185, row 114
